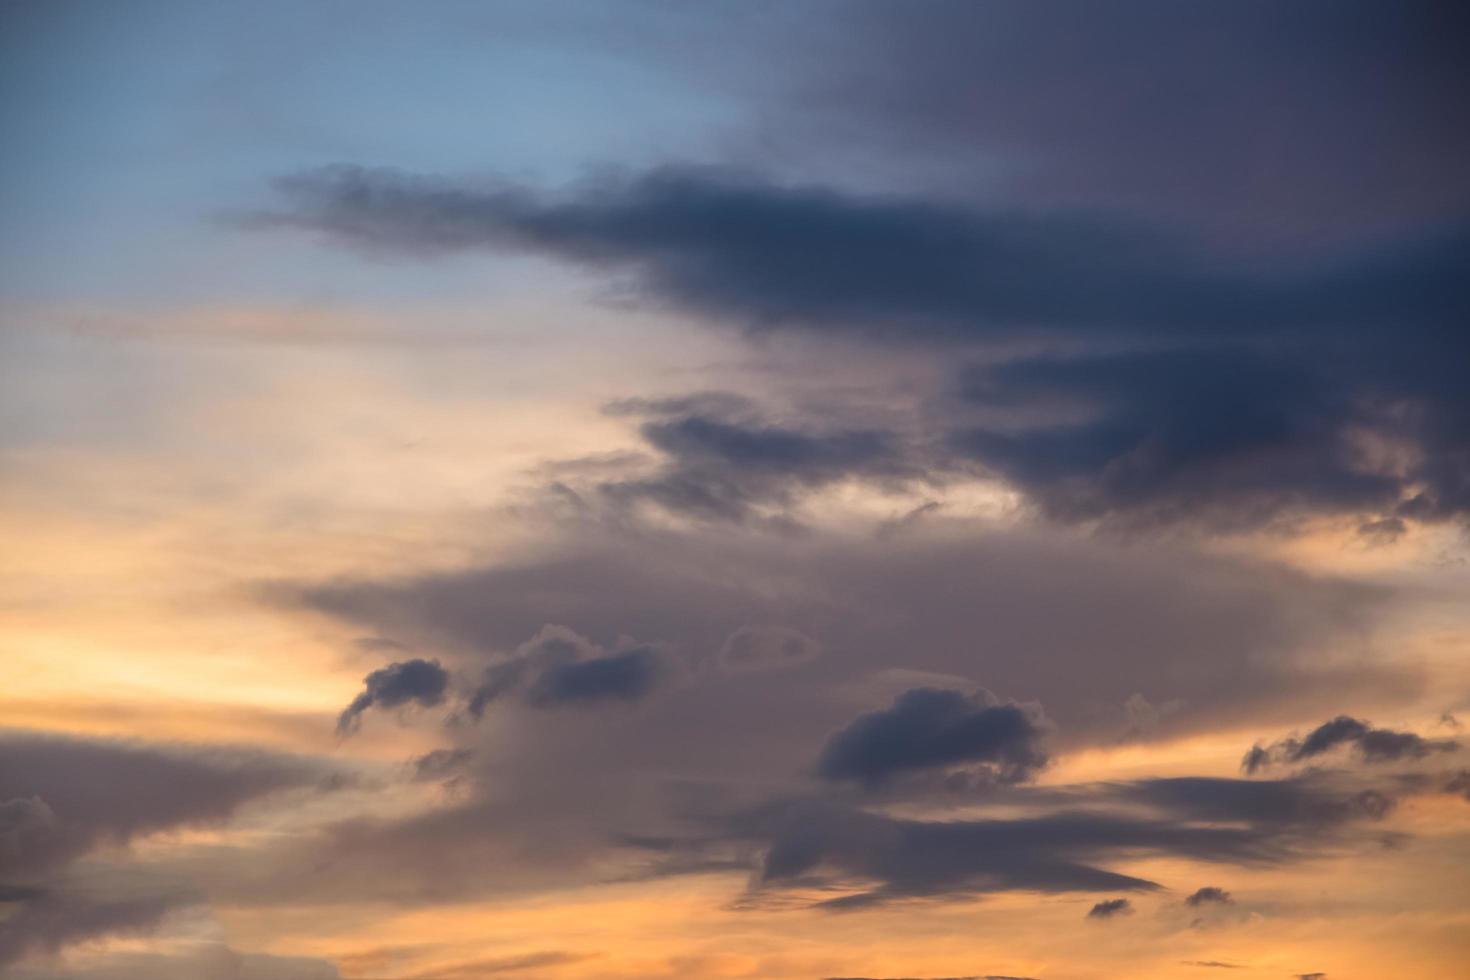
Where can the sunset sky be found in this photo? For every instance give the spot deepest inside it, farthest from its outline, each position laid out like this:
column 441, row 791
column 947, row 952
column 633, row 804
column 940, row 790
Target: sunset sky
column 781, row 490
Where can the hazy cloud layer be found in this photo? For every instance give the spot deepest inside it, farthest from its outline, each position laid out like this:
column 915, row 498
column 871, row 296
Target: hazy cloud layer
column 1021, row 613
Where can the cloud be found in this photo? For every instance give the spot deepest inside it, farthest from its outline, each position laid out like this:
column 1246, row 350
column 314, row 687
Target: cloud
column 1209, row 895
column 1371, row 744
column 721, row 461
column 46, row 924
column 1218, row 964
column 624, row 676
column 926, row 728
column 1111, row 908
column 1062, row 845
column 1222, row 436
column 415, row 681
column 1026, row 612
column 558, row 667
column 731, row 244
column 61, row 798
column 195, row 961
column 1207, row 395
column 503, row 965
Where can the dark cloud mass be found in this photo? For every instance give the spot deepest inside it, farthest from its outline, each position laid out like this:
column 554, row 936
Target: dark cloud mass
column 1111, row 908
column 560, row 667
column 1245, row 389
column 726, row 466
column 927, row 728
column 624, row 676
column 61, row 798
column 421, row 682
column 1209, row 895
column 1370, row 744
column 1249, row 334
column 1064, row 846
column 732, row 244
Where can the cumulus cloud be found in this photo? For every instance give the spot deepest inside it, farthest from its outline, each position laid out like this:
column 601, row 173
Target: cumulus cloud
column 1209, row 895
column 416, row 681
column 1111, row 908
column 1369, row 743
column 926, row 728
column 560, row 667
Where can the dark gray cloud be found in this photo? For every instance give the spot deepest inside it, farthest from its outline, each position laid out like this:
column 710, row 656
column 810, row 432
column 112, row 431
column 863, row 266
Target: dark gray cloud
column 721, row 461
column 1110, row 908
column 54, row 920
column 1218, row 964
column 1209, row 895
column 416, row 681
column 1225, row 436
column 1370, row 744
column 559, row 667
column 1311, row 976
column 61, row 798
column 622, row 676
column 734, row 245
column 1459, row 784
column 1063, row 846
column 1217, row 389
column 928, row 728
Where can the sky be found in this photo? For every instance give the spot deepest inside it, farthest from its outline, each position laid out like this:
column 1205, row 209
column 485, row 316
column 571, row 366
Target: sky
column 734, row 490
